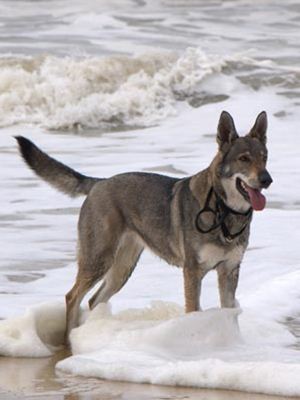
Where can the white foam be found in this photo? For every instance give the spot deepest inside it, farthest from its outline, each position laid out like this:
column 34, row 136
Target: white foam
column 161, row 345
column 39, row 333
column 161, row 329
column 92, row 92
column 200, row 350
column 210, row 373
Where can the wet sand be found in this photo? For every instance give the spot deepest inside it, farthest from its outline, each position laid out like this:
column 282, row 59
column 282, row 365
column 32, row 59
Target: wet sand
column 30, row 378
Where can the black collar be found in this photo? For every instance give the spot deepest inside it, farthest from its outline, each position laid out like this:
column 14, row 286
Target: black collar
column 220, row 213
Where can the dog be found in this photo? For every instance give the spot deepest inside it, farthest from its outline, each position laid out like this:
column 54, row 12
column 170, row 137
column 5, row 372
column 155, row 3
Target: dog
column 201, row 222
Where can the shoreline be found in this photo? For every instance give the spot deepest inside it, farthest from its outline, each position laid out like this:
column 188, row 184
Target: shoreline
column 36, row 378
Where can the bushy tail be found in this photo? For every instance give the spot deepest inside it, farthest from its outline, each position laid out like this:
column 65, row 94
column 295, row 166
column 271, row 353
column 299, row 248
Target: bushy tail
column 54, row 172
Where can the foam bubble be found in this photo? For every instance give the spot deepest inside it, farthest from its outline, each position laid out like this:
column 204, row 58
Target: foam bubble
column 38, row 333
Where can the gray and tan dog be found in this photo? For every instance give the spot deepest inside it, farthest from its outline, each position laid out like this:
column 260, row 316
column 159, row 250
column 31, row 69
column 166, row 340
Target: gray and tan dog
column 199, row 223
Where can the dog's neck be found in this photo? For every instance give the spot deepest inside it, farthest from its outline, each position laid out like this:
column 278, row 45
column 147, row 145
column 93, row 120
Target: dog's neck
column 211, row 177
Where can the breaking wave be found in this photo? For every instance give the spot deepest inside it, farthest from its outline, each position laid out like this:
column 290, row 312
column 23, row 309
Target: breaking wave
column 63, row 93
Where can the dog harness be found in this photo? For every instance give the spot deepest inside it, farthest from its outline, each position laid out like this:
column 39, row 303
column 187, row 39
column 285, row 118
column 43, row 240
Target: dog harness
column 221, row 212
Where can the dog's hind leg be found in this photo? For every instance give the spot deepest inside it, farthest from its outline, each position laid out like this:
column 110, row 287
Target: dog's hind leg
column 73, row 300
column 89, row 273
column 126, row 258
column 100, row 230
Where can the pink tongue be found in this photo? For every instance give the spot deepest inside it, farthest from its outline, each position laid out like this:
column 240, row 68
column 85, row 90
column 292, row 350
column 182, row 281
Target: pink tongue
column 258, row 200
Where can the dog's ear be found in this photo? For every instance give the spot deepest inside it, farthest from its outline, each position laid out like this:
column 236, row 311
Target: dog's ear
column 259, row 130
column 226, row 131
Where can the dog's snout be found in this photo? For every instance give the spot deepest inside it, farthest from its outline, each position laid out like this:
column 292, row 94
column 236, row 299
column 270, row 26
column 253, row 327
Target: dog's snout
column 265, row 179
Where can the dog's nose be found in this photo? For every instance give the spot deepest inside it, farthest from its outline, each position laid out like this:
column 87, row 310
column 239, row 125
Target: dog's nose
column 265, row 179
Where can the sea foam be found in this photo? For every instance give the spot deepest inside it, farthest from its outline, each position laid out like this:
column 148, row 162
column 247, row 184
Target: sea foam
column 38, row 333
column 62, row 93
column 159, row 344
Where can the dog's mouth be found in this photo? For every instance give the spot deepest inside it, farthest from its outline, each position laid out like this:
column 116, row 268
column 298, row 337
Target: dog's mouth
column 252, row 195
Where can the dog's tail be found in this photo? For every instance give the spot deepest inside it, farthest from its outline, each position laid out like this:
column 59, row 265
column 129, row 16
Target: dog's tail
column 54, row 172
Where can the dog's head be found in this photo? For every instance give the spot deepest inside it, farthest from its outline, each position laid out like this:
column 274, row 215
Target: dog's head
column 242, row 163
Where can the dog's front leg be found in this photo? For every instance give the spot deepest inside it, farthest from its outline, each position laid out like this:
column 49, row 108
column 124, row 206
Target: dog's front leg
column 228, row 277
column 193, row 275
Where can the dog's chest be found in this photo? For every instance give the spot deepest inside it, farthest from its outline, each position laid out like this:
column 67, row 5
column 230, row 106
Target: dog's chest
column 210, row 255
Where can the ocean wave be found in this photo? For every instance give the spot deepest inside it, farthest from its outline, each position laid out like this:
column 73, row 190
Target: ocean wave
column 63, row 93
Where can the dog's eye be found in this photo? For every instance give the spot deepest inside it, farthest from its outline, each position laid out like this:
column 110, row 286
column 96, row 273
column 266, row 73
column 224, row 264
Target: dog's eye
column 244, row 158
